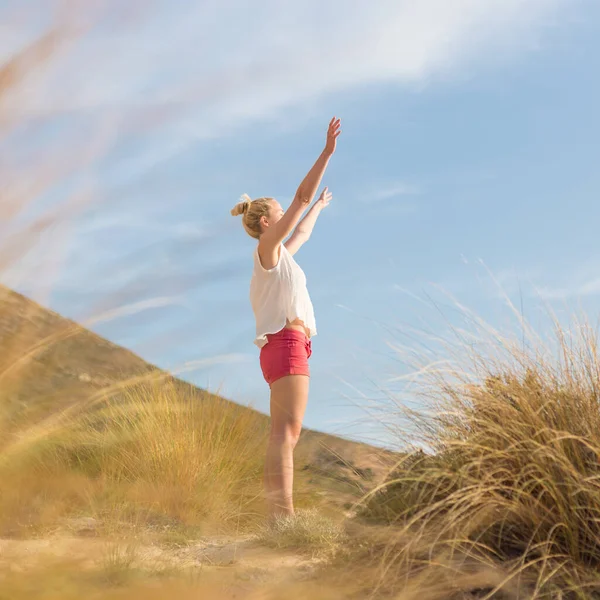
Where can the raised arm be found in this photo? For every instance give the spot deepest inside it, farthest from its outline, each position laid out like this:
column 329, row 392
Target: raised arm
column 305, row 227
column 268, row 245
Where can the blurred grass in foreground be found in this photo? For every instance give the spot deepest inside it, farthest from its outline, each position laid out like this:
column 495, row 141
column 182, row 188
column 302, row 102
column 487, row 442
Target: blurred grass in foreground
column 153, row 453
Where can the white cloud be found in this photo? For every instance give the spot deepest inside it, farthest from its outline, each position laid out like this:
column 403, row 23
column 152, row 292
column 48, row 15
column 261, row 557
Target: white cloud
column 396, row 190
column 533, row 282
column 583, row 289
column 580, row 281
column 183, row 72
column 180, row 72
column 227, row 62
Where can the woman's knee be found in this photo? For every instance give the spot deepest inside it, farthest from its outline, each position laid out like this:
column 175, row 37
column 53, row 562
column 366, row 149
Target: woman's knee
column 289, row 434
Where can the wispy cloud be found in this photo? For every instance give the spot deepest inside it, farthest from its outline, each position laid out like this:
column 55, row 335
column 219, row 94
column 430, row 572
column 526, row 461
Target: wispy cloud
column 581, row 280
column 397, row 190
column 273, row 55
column 582, row 289
column 184, row 73
column 529, row 282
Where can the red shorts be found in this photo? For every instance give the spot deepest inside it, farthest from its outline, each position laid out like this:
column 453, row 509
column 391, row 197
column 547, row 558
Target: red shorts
column 285, row 353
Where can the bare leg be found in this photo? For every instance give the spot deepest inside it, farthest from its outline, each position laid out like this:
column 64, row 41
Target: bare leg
column 289, row 396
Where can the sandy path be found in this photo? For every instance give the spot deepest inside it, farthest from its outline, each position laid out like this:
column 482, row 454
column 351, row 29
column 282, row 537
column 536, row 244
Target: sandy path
column 239, row 563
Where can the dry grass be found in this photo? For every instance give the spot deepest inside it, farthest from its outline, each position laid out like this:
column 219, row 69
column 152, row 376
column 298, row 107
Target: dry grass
column 505, row 503
column 307, row 531
column 157, row 457
column 511, row 482
column 119, row 563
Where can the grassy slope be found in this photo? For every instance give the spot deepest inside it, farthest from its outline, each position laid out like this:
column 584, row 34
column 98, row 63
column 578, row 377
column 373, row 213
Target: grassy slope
column 507, row 507
column 51, row 366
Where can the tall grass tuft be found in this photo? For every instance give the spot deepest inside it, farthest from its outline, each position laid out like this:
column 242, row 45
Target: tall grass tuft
column 508, row 472
column 307, row 531
column 158, row 454
column 186, row 456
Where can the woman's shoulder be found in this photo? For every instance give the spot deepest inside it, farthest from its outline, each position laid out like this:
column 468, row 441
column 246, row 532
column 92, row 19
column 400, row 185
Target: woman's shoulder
column 282, row 255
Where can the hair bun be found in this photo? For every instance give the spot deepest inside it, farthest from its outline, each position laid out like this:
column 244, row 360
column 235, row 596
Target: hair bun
column 242, row 206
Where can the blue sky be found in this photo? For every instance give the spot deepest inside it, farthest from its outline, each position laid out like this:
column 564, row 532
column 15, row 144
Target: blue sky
column 467, row 164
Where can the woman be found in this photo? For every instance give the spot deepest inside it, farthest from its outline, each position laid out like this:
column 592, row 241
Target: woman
column 285, row 321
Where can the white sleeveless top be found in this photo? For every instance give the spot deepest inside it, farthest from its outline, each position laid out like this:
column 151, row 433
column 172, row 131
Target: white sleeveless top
column 279, row 295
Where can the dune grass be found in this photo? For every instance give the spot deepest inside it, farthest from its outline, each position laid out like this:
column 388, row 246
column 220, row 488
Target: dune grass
column 510, row 481
column 158, row 455
column 504, row 502
column 306, row 531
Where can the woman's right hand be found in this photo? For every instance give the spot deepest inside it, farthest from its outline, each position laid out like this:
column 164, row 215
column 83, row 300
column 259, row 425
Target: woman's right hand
column 324, row 198
column 332, row 135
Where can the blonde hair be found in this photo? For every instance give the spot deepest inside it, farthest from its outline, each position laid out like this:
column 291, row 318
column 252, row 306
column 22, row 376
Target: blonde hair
column 252, row 211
